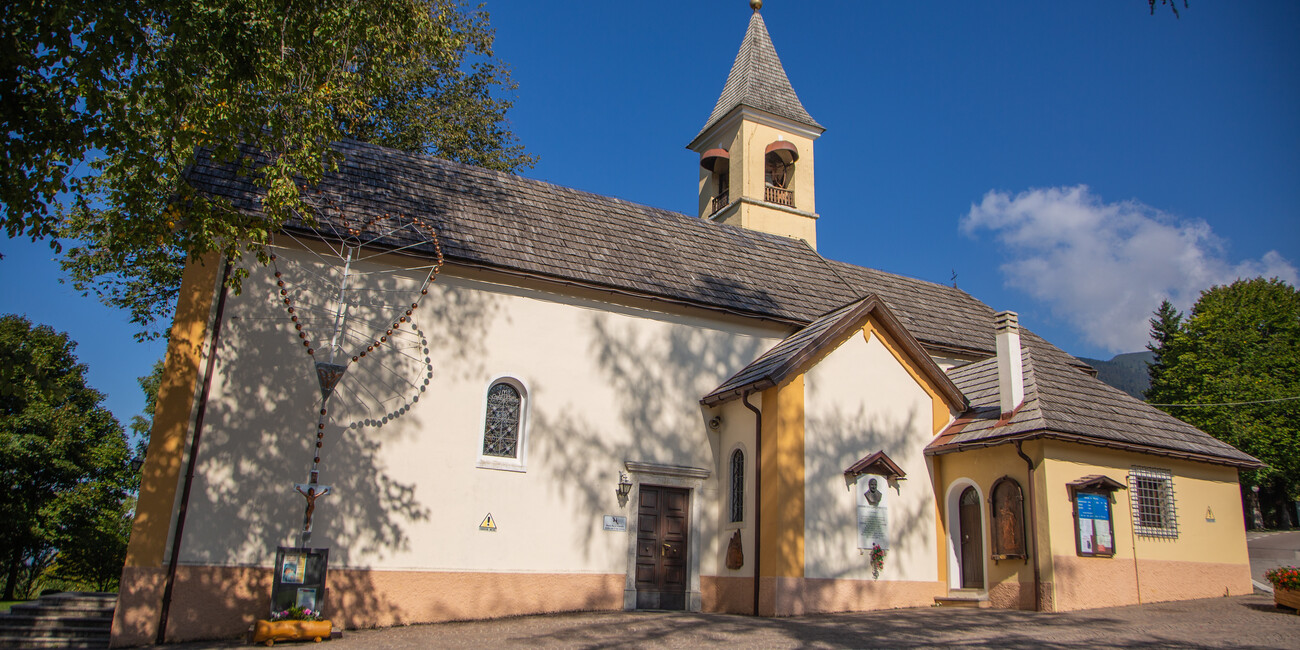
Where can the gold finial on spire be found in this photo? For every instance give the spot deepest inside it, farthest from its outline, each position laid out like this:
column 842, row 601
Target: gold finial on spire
column 755, row 4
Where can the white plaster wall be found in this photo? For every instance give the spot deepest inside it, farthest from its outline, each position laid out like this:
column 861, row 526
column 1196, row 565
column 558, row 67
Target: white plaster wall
column 606, row 384
column 736, row 432
column 860, row 400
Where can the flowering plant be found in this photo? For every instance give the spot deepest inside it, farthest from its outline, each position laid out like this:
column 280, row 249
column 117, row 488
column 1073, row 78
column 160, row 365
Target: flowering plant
column 296, row 614
column 877, row 560
column 1284, row 577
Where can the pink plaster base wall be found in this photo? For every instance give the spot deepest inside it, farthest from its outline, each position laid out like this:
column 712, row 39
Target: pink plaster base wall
column 1012, row 595
column 727, row 595
column 796, row 596
column 221, row 602
column 1084, row 583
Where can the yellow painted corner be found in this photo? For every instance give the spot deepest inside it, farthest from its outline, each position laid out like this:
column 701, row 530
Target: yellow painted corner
column 161, row 471
column 782, row 491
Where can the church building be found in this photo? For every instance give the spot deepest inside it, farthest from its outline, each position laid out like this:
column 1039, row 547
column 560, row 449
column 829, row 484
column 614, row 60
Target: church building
column 566, row 401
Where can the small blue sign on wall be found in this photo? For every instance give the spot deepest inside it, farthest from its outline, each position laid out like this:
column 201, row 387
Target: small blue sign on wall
column 1093, row 506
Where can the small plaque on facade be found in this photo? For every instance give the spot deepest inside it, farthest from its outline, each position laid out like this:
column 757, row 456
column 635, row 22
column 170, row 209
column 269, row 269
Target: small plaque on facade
column 489, row 524
column 872, row 494
column 615, row 522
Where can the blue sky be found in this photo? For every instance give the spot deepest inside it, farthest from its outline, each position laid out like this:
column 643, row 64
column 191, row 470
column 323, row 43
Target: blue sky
column 1073, row 161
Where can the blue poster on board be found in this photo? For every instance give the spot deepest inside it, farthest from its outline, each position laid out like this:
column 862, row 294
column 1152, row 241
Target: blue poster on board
column 1093, row 506
column 1093, row 512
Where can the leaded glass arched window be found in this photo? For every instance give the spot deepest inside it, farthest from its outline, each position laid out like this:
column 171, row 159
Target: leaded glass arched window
column 737, row 486
column 501, row 427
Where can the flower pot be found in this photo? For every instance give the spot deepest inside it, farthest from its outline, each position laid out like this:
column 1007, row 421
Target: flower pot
column 268, row 632
column 1287, row 598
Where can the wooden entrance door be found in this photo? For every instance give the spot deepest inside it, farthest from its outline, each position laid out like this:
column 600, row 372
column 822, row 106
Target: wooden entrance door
column 972, row 541
column 663, row 520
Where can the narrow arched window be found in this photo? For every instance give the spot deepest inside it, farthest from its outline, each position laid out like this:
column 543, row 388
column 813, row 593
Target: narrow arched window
column 504, row 426
column 737, row 486
column 717, row 162
column 778, row 172
column 1008, row 520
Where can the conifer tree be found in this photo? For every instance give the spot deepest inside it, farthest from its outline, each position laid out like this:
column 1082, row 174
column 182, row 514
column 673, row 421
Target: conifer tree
column 1232, row 368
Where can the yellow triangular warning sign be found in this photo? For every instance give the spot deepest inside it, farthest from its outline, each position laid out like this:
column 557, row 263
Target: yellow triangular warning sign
column 488, row 523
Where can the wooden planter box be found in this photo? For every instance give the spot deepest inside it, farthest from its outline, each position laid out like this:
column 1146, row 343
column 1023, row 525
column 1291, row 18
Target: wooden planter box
column 268, row 632
column 1287, row 597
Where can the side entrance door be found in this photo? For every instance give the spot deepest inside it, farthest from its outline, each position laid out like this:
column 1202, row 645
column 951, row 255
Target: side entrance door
column 972, row 541
column 663, row 520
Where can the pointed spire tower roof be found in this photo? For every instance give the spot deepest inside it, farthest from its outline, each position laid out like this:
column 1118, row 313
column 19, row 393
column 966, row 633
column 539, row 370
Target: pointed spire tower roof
column 758, row 81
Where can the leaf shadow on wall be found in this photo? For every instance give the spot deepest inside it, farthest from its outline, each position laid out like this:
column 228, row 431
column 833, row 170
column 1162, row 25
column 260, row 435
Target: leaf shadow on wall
column 655, row 416
column 259, row 440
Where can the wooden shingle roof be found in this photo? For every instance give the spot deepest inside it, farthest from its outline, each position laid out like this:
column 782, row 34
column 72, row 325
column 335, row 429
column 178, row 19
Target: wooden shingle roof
column 758, row 80
column 510, row 224
column 802, row 349
column 1065, row 404
column 496, row 220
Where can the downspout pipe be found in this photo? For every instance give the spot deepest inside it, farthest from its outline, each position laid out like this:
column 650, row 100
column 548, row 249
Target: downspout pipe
column 1033, row 527
column 193, row 461
column 758, row 494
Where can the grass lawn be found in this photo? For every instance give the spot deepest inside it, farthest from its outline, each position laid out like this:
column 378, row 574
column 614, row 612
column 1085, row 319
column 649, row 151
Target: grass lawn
column 4, row 605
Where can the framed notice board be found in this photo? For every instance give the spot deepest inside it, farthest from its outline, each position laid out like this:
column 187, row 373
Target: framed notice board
column 299, row 578
column 1094, row 530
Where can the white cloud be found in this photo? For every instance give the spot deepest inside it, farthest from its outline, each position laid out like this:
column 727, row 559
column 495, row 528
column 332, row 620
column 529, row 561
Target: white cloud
column 1104, row 267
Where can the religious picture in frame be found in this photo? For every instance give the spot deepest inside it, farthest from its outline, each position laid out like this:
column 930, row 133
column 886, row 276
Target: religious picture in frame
column 293, row 569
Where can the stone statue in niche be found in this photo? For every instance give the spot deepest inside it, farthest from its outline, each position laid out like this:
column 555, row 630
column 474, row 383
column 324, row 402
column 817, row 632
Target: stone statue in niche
column 735, row 553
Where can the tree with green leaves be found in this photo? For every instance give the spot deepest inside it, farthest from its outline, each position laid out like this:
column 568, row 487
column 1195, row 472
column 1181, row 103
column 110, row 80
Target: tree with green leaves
column 142, row 424
column 104, row 106
column 64, row 464
column 1232, row 368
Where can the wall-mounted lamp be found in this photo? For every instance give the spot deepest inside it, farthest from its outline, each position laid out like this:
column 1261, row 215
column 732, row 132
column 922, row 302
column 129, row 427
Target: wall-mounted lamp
column 136, row 464
column 624, row 488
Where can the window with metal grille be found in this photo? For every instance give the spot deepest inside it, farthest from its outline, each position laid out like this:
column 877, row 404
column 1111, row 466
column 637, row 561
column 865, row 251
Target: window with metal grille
column 502, row 424
column 737, row 486
column 1154, row 508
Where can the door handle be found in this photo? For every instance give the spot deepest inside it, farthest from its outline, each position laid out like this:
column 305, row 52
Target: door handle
column 664, row 552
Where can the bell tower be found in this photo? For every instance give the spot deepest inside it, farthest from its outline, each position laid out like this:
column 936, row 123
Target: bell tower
column 756, row 150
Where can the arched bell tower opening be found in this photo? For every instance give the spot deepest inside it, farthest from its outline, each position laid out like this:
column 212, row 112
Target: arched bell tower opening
column 756, row 150
column 716, row 163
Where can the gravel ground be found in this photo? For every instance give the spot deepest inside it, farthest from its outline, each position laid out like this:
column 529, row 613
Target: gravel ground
column 1237, row 622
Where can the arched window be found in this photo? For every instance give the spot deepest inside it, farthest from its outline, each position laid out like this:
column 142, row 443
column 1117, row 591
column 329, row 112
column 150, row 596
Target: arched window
column 718, row 163
column 778, row 172
column 737, row 486
column 503, row 426
column 1008, row 520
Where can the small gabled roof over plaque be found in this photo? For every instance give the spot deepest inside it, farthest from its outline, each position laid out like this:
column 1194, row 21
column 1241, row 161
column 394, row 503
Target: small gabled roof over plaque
column 1096, row 482
column 877, row 463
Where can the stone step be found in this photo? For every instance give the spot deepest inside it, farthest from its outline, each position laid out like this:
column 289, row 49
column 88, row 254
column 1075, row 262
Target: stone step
column 38, row 608
column 59, row 620
column 42, row 611
column 80, row 599
column 27, row 643
column 45, row 621
column 53, row 632
column 964, row 598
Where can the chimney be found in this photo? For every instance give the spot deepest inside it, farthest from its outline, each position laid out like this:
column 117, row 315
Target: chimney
column 1011, row 376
